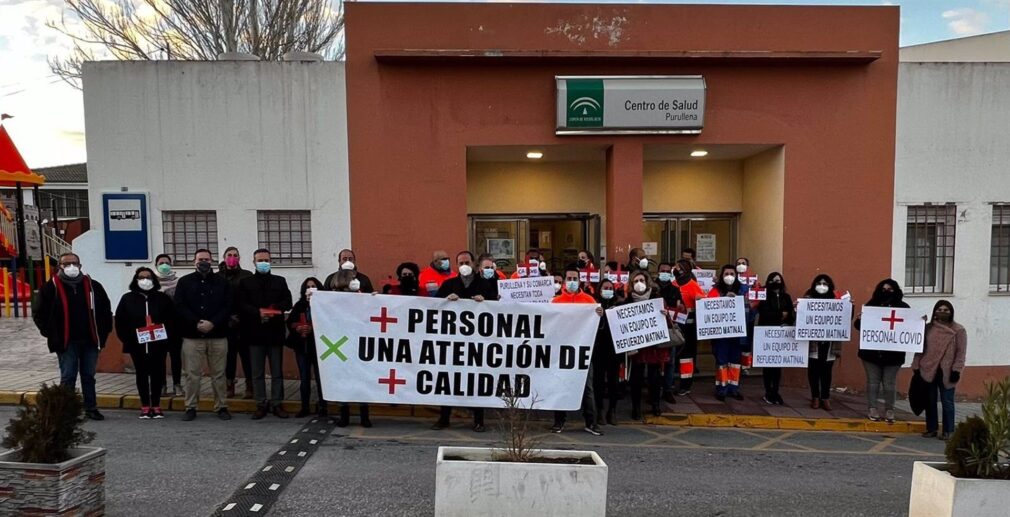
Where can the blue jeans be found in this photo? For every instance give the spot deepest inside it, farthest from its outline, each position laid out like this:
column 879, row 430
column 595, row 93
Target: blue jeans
column 80, row 357
column 946, row 399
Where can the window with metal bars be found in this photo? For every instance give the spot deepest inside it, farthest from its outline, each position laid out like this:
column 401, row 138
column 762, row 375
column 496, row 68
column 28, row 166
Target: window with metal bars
column 287, row 234
column 929, row 249
column 185, row 231
column 999, row 254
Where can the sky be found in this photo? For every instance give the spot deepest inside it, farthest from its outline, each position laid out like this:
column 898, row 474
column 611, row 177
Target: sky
column 48, row 123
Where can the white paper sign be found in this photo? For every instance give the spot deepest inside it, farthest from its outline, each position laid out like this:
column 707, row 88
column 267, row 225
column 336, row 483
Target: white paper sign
column 757, row 295
column 526, row 290
column 749, row 280
column 705, row 278
column 705, row 247
column 638, row 325
column 432, row 351
column 893, row 330
column 151, row 333
column 777, row 347
column 650, row 248
column 719, row 318
column 820, row 319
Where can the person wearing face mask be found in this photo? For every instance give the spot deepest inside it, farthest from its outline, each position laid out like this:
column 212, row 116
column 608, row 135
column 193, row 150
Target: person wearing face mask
column 727, row 351
column 406, row 280
column 346, row 281
column 203, row 304
column 637, row 260
column 647, row 364
column 301, row 339
column 489, row 273
column 823, row 354
column 559, row 284
column 606, row 362
column 168, row 279
column 745, row 273
column 499, row 274
column 74, row 314
column 469, row 285
column 940, row 365
column 882, row 367
column 534, row 259
column 435, row 274
column 775, row 310
column 586, row 261
column 238, row 350
column 348, row 261
column 263, row 300
column 690, row 293
column 672, row 299
column 145, row 311
column 573, row 293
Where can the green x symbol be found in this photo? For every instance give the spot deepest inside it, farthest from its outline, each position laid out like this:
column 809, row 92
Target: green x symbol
column 333, row 348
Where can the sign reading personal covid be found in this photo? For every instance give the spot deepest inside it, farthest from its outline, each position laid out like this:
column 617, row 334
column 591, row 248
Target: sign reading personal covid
column 777, row 347
column 416, row 350
column 819, row 319
column 723, row 317
column 892, row 330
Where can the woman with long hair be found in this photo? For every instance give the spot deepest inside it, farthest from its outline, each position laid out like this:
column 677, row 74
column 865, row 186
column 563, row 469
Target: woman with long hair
column 882, row 366
column 301, row 339
column 775, row 310
column 823, row 354
column 940, row 364
column 727, row 351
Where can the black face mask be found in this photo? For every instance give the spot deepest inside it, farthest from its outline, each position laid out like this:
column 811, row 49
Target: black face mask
column 408, row 283
column 203, row 267
column 582, row 264
column 680, row 276
column 775, row 286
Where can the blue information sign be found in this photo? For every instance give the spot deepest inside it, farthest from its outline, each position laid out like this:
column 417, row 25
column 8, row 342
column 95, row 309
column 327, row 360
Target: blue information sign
column 127, row 226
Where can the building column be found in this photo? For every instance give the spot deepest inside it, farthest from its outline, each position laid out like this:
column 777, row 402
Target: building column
column 624, row 199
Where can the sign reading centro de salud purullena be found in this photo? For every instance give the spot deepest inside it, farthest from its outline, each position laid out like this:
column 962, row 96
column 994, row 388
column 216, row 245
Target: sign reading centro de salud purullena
column 630, row 104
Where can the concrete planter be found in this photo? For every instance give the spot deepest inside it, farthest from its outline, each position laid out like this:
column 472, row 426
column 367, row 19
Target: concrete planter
column 936, row 493
column 74, row 487
column 476, row 485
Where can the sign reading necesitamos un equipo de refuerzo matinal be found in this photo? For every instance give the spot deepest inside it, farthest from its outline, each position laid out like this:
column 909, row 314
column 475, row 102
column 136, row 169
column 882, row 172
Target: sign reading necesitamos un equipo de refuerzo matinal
column 630, row 104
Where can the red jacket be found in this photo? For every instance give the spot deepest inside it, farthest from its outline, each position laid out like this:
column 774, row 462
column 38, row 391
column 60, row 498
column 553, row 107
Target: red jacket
column 579, row 297
column 430, row 275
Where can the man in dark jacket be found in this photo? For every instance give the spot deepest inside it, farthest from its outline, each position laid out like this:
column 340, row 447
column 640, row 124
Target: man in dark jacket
column 74, row 314
column 348, row 261
column 203, row 306
column 469, row 285
column 264, row 298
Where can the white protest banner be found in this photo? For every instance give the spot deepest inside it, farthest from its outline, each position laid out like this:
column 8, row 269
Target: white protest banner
column 893, row 330
column 719, row 318
column 431, row 351
column 777, row 347
column 638, row 325
column 820, row 319
column 705, row 278
column 538, row 289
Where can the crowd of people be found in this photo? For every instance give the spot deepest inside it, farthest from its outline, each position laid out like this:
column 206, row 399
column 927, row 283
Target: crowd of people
column 221, row 315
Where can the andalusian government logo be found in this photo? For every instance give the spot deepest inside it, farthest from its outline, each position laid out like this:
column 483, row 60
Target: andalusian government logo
column 585, row 102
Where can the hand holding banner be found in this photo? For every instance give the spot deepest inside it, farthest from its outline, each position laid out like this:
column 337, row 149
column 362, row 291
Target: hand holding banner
column 638, row 325
column 891, row 330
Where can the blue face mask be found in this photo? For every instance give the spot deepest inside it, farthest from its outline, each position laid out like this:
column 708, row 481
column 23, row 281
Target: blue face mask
column 488, row 273
column 664, row 276
column 572, row 286
column 263, row 267
column 443, row 264
column 607, row 294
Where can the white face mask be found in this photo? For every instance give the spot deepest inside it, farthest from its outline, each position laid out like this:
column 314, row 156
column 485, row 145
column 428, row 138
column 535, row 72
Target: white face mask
column 354, row 285
column 643, row 264
column 821, row 289
column 72, row 271
column 348, row 265
column 145, row 284
column 729, row 279
column 640, row 287
column 741, row 268
column 465, row 270
column 542, row 266
column 557, row 287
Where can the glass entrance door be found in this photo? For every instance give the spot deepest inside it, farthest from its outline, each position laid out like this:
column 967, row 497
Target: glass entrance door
column 713, row 237
column 558, row 237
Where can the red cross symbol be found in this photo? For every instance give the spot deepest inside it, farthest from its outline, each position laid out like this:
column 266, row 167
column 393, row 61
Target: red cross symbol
column 383, row 319
column 392, row 381
column 893, row 319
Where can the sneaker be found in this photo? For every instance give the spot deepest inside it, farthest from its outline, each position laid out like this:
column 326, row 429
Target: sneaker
column 223, row 414
column 929, row 434
column 93, row 414
column 768, row 400
column 611, row 417
column 779, row 401
column 557, row 428
column 874, row 416
column 889, row 416
column 478, row 428
column 145, row 413
column 683, row 392
column 156, row 413
column 593, row 430
column 944, row 436
column 190, row 414
column 177, row 390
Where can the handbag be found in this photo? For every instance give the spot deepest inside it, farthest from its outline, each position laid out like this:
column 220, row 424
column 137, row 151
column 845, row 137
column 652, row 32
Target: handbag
column 676, row 338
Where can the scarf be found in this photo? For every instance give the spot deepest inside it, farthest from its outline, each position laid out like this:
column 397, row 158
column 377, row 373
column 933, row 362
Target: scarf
column 641, row 297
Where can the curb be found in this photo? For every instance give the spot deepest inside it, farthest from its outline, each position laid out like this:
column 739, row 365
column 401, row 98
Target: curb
column 850, row 425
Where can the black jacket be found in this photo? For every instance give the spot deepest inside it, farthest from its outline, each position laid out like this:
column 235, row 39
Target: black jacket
column 479, row 286
column 203, row 298
column 770, row 310
column 881, row 357
column 131, row 314
column 262, row 291
column 301, row 345
column 89, row 307
column 366, row 283
column 234, row 276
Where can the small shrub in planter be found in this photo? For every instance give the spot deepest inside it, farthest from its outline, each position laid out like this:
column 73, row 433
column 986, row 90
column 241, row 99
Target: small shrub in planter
column 980, row 447
column 45, row 432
